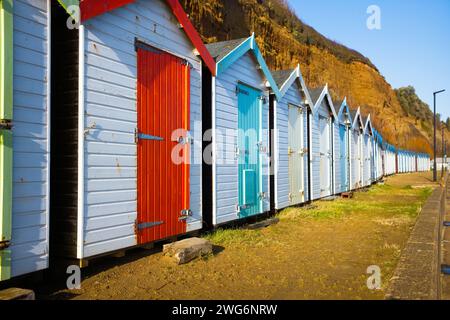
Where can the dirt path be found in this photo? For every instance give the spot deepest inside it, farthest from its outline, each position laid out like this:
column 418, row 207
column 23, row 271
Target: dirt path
column 320, row 252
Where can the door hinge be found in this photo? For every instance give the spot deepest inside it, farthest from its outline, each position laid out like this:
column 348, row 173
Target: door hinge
column 187, row 64
column 290, row 151
column 185, row 214
column 5, row 124
column 5, row 244
column 290, row 197
column 262, row 196
column 142, row 136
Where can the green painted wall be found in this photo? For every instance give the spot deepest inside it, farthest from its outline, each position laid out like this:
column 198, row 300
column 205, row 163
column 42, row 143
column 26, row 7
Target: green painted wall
column 68, row 3
column 6, row 59
column 6, row 113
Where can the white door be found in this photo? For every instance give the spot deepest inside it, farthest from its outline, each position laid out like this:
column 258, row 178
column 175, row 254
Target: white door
column 325, row 156
column 296, row 155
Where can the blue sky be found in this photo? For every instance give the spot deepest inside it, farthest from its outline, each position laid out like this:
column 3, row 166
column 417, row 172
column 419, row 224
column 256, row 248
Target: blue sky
column 412, row 47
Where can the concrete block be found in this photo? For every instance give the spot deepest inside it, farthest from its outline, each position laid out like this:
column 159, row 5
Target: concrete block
column 187, row 250
column 17, row 294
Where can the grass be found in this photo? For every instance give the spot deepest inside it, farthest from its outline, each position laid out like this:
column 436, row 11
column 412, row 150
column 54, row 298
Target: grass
column 236, row 237
column 387, row 202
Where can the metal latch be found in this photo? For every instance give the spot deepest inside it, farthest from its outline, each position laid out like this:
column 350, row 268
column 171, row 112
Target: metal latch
column 290, row 151
column 240, row 208
column 5, row 124
column 148, row 225
column 262, row 195
column 261, row 147
column 4, row 244
column 186, row 140
column 263, row 99
column 185, row 214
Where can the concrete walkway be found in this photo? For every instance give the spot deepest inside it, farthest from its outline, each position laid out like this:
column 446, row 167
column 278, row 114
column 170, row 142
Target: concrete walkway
column 417, row 276
column 446, row 248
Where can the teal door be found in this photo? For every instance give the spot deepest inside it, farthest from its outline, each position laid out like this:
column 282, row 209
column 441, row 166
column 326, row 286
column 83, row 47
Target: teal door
column 249, row 142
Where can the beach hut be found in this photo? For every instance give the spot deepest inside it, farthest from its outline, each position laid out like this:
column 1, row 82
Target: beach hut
column 343, row 155
column 392, row 159
column 367, row 151
column 239, row 119
column 357, row 131
column 290, row 145
column 379, row 156
column 127, row 165
column 323, row 131
column 24, row 136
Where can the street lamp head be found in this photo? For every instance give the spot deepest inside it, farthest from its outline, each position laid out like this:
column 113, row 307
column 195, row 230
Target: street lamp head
column 437, row 92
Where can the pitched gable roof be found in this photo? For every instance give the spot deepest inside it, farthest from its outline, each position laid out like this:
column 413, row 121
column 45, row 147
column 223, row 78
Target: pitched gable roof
column 237, row 49
column 368, row 128
column 92, row 8
column 220, row 50
column 282, row 76
column 320, row 94
column 285, row 79
column 315, row 94
column 344, row 109
column 357, row 118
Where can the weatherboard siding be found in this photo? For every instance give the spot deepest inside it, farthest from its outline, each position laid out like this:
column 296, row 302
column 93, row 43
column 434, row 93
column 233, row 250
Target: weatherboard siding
column 30, row 212
column 110, row 171
column 226, row 123
column 292, row 96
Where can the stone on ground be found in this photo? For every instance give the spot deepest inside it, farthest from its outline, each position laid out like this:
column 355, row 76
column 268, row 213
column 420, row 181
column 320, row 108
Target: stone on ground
column 262, row 224
column 17, row 294
column 187, row 250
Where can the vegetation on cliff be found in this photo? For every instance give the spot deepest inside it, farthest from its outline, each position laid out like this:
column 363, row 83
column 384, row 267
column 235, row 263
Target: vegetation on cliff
column 286, row 41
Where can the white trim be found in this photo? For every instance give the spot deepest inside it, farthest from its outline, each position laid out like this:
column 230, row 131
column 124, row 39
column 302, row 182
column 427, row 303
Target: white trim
column 49, row 88
column 325, row 93
column 311, row 158
column 261, row 166
column 358, row 114
column 289, row 82
column 81, row 126
column 275, row 151
column 214, row 150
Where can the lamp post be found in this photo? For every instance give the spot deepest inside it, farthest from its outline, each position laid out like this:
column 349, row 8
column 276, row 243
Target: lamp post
column 435, row 160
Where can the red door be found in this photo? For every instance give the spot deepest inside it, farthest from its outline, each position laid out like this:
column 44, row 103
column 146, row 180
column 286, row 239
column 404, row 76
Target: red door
column 163, row 122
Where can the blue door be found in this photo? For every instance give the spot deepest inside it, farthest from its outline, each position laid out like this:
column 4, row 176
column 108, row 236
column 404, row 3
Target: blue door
column 249, row 143
column 344, row 157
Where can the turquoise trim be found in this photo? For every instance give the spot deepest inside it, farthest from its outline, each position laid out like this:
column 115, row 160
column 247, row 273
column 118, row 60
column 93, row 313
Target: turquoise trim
column 233, row 56
column 344, row 108
column 241, row 50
